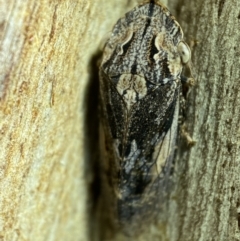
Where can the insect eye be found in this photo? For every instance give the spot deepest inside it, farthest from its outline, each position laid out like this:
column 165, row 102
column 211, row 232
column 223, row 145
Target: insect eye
column 184, row 52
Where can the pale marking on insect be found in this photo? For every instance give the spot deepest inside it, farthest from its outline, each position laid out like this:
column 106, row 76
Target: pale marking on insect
column 132, row 88
column 166, row 139
column 128, row 38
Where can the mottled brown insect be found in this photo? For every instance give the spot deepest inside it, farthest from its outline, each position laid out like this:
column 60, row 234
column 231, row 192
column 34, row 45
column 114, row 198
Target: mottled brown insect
column 140, row 88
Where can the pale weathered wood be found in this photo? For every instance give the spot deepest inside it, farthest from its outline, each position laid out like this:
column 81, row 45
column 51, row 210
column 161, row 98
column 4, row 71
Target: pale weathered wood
column 42, row 188
column 206, row 203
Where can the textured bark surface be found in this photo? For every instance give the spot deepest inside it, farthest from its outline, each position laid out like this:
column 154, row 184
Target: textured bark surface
column 208, row 193
column 41, row 154
column 48, row 108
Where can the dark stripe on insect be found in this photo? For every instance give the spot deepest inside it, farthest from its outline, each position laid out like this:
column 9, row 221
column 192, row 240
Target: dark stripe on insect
column 171, row 32
column 175, row 35
column 151, row 8
column 150, row 13
column 146, row 27
column 152, row 50
column 133, row 69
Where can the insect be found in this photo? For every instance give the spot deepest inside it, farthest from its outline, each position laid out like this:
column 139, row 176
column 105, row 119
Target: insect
column 140, row 91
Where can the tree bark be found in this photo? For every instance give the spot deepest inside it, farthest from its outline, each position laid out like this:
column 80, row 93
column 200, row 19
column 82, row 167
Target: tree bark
column 48, row 121
column 207, row 197
column 43, row 191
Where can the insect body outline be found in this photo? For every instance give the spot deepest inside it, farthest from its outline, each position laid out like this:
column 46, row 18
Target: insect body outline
column 140, row 90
